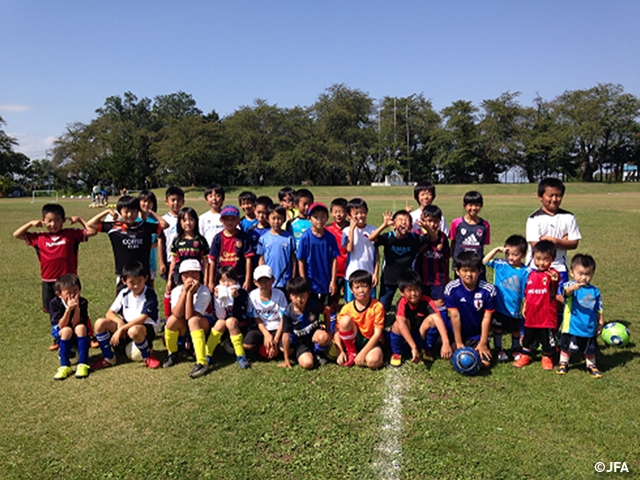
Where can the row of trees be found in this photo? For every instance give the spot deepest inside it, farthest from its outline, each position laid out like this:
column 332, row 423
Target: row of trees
column 345, row 137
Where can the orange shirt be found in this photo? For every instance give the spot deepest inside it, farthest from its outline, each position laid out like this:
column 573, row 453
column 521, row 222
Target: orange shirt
column 368, row 320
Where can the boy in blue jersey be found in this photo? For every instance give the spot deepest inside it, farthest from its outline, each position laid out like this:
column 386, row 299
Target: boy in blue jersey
column 471, row 303
column 302, row 199
column 510, row 278
column 583, row 320
column 247, row 202
column 277, row 249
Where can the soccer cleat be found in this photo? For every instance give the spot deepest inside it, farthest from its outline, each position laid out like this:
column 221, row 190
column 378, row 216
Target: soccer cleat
column 152, row 362
column 396, row 360
column 502, row 356
column 515, row 354
column 171, row 360
column 82, row 370
column 198, row 370
column 62, row 373
column 594, row 372
column 426, row 355
column 547, row 363
column 102, row 363
column 562, row 369
column 243, row 362
column 351, row 360
column 54, row 346
column 321, row 360
column 522, row 361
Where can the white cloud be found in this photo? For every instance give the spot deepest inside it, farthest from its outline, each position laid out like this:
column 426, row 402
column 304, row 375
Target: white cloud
column 32, row 146
column 15, row 108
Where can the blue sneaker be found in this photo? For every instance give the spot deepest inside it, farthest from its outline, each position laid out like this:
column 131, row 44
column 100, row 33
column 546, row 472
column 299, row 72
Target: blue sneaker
column 243, row 362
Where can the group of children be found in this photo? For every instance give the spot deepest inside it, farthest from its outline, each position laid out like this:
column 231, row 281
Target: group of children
column 274, row 280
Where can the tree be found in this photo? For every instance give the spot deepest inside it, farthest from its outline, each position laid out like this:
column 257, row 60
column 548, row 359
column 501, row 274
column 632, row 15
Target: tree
column 459, row 144
column 12, row 163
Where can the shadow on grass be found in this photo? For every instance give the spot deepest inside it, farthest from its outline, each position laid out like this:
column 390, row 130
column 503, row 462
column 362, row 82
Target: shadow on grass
column 621, row 356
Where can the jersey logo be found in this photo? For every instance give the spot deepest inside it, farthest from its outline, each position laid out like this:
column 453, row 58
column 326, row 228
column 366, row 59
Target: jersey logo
column 478, row 303
column 588, row 301
column 471, row 241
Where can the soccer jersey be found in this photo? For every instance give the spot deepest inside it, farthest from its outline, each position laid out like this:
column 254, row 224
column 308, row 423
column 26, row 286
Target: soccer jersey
column 229, row 251
column 278, row 250
column 237, row 310
column 303, row 325
column 246, row 224
column 509, row 282
column 170, row 233
column 297, row 227
column 201, row 299
column 363, row 255
column 540, row 310
column 471, row 305
column 541, row 224
column 398, row 253
column 189, row 249
column 416, row 313
column 366, row 320
column 432, row 263
column 416, row 214
column 581, row 311
column 318, row 253
column 342, row 258
column 469, row 237
column 57, row 252
column 130, row 243
column 269, row 312
column 130, row 307
column 210, row 225
column 58, row 307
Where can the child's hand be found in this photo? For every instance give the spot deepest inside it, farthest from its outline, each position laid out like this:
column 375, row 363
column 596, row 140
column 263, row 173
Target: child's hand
column 73, row 302
column 37, row 224
column 162, row 269
column 485, row 353
column 115, row 338
column 234, row 290
column 553, row 275
column 445, row 351
column 333, row 288
column 285, row 364
column 415, row 356
column 113, row 213
column 387, row 218
column 407, row 207
column 361, row 360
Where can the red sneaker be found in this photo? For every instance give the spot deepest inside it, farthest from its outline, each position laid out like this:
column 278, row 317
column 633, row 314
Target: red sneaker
column 54, row 346
column 152, row 362
column 523, row 361
column 547, row 363
column 103, row 363
column 351, row 360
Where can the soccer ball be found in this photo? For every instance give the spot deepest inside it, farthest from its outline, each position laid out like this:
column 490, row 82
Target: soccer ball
column 615, row 334
column 133, row 353
column 466, row 361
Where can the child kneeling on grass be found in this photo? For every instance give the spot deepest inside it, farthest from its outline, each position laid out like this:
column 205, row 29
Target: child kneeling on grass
column 415, row 314
column 69, row 321
column 301, row 323
column 133, row 315
column 190, row 309
column 361, row 325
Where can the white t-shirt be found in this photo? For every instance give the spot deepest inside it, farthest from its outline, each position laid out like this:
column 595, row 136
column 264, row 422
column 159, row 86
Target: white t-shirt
column 130, row 307
column 170, row 234
column 210, row 225
column 363, row 256
column 415, row 216
column 201, row 299
column 541, row 224
column 269, row 312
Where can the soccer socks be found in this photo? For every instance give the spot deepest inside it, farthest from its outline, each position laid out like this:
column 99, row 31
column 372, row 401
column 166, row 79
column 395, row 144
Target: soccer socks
column 397, row 343
column 171, row 340
column 83, row 350
column 104, row 339
column 497, row 341
column 236, row 340
column 515, row 343
column 197, row 337
column 167, row 305
column 213, row 341
column 63, row 352
column 431, row 337
column 144, row 348
column 590, row 360
column 349, row 341
column 565, row 356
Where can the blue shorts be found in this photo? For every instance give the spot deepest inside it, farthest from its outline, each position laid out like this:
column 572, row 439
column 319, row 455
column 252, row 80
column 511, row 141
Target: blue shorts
column 399, row 345
column 574, row 344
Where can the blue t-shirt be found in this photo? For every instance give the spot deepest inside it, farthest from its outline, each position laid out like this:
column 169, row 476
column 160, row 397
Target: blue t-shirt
column 277, row 251
column 509, row 282
column 581, row 310
column 471, row 304
column 297, row 227
column 318, row 253
column 247, row 223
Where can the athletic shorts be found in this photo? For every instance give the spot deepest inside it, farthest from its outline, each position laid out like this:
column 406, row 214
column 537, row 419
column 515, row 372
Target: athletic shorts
column 399, row 345
column 340, row 286
column 361, row 341
column 543, row 336
column 48, row 294
column 503, row 322
column 435, row 292
column 151, row 336
column 255, row 337
column 574, row 344
column 323, row 299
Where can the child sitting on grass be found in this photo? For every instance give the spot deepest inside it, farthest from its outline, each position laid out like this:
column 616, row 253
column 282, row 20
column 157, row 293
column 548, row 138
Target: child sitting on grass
column 69, row 319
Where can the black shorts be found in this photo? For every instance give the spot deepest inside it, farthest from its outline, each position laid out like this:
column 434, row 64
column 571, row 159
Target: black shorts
column 48, row 294
column 544, row 336
column 255, row 337
column 323, row 299
column 361, row 341
column 574, row 344
column 503, row 322
column 151, row 336
column 335, row 298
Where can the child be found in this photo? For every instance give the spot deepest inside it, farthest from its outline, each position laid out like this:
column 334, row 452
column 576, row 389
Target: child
column 149, row 203
column 132, row 316
column 69, row 320
column 190, row 309
column 317, row 255
column 131, row 237
column 301, row 223
column 470, row 302
column 339, row 213
column 285, row 197
column 470, row 232
column 432, row 263
column 361, row 326
column 261, row 227
column 57, row 247
column 189, row 244
column 415, row 315
column 583, row 320
column 231, row 303
column 209, row 222
column 425, row 193
column 276, row 248
column 247, row 202
column 555, row 225
column 301, row 324
column 400, row 249
column 266, row 307
column 363, row 254
column 510, row 277
column 231, row 248
column 540, row 310
column 174, row 199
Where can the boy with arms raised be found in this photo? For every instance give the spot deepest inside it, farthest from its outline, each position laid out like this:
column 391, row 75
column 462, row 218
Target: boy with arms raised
column 69, row 320
column 415, row 315
column 133, row 315
column 471, row 303
column 363, row 254
column 277, row 249
column 361, row 326
column 510, row 279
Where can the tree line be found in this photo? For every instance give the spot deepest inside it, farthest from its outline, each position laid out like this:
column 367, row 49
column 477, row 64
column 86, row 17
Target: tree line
column 345, row 138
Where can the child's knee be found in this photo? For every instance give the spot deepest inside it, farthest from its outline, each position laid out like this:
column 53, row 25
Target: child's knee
column 137, row 333
column 345, row 323
column 322, row 338
column 374, row 358
column 101, row 325
column 81, row 330
column 306, row 361
column 65, row 333
column 232, row 325
column 173, row 323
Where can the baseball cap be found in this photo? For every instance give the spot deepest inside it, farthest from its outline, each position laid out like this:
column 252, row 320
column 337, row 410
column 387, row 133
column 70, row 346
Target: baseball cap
column 190, row 265
column 315, row 205
column 230, row 211
column 262, row 271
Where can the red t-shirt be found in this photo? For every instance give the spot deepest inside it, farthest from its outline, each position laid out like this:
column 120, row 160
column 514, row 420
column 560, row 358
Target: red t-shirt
column 540, row 306
column 57, row 253
column 342, row 259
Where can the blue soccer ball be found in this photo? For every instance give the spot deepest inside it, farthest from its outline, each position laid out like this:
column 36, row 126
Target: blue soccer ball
column 466, row 361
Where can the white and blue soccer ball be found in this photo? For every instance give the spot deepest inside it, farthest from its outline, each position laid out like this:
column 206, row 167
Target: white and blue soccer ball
column 615, row 334
column 133, row 353
column 466, row 360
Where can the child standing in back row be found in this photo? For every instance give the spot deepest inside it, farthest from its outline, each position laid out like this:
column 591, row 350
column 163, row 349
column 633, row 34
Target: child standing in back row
column 470, row 232
column 363, row 254
column 425, row 193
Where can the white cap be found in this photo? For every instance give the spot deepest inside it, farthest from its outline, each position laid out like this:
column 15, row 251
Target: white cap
column 262, row 271
column 190, row 265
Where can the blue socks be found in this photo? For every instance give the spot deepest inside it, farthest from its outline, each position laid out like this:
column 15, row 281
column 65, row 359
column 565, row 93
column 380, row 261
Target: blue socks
column 144, row 349
column 105, row 346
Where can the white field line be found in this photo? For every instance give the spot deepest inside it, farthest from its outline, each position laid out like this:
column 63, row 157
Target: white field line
column 389, row 461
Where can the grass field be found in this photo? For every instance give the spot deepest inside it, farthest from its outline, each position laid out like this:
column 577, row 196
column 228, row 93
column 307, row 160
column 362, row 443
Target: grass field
column 412, row 422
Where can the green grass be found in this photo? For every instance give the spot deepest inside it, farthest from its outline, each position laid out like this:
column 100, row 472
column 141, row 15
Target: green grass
column 129, row 422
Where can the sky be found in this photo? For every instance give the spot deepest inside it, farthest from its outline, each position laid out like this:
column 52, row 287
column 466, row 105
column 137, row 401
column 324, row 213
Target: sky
column 61, row 59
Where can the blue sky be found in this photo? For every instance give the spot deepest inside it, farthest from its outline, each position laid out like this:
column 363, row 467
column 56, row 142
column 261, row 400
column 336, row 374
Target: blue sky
column 61, row 59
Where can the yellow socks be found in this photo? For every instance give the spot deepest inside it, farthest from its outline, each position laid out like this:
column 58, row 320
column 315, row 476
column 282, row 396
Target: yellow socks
column 171, row 340
column 213, row 341
column 236, row 340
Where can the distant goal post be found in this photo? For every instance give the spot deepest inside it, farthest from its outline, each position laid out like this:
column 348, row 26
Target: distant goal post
column 44, row 193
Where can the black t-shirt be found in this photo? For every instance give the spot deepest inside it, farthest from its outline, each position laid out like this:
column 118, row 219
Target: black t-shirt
column 399, row 254
column 416, row 314
column 304, row 325
column 130, row 243
column 57, row 309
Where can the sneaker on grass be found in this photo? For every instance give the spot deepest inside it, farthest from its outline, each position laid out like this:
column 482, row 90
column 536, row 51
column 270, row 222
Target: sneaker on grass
column 171, row 360
column 152, row 362
column 562, row 369
column 243, row 362
column 502, row 356
column 522, row 361
column 198, row 370
column 396, row 360
column 62, row 373
column 82, row 370
column 547, row 363
column 103, row 363
column 594, row 372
